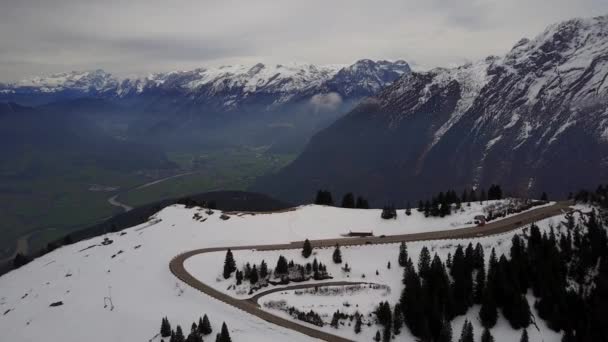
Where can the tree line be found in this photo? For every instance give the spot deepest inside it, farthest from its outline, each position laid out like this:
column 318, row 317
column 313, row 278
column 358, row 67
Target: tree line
column 197, row 331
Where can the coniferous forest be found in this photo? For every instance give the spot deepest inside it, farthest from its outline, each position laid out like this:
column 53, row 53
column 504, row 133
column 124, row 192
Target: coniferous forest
column 565, row 270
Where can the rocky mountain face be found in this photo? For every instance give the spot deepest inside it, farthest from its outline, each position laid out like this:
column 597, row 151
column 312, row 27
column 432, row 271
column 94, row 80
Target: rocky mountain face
column 223, row 88
column 533, row 120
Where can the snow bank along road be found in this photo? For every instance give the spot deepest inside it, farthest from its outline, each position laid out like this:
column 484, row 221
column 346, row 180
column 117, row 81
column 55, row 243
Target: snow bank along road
column 250, row 305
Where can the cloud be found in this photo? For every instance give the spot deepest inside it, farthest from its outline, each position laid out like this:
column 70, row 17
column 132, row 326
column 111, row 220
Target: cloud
column 141, row 36
column 326, row 102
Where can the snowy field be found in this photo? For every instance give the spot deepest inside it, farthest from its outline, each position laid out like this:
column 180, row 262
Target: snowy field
column 133, row 273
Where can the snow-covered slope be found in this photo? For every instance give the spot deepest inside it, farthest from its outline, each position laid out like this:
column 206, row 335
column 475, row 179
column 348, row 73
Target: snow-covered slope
column 533, row 120
column 227, row 87
column 133, row 272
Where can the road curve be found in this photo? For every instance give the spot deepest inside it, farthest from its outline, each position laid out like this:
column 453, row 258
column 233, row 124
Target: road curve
column 250, row 305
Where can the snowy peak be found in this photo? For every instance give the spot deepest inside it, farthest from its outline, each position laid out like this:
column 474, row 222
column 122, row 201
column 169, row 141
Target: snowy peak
column 560, row 41
column 85, row 81
column 366, row 77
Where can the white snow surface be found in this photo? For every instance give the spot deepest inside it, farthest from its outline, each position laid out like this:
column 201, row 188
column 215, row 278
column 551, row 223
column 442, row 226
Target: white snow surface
column 143, row 290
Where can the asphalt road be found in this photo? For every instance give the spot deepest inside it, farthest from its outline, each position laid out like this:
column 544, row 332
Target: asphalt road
column 250, row 305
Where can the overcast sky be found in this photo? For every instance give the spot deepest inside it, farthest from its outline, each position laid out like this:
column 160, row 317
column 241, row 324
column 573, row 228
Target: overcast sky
column 129, row 37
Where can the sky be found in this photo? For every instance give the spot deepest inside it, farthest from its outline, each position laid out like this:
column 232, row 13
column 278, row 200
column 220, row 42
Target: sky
column 137, row 37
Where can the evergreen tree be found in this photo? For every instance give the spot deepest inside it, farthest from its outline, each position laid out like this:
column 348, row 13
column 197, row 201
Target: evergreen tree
column 377, row 338
column 282, row 266
column 179, row 335
column 335, row 320
column 239, row 277
column 411, row 302
column 467, row 334
column 324, row 198
column 204, row 326
column 229, row 264
column 486, row 336
column 253, row 278
column 263, row 270
column 445, row 334
column 424, row 262
column 224, row 335
column 389, row 212
column 478, row 257
column 348, row 201
column 402, row 254
column 544, row 197
column 524, row 336
column 462, row 287
column 306, row 249
column 165, row 328
column 408, row 209
column 337, row 256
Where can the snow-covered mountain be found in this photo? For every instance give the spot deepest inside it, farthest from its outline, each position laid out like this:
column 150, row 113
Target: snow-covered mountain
column 226, row 87
column 535, row 119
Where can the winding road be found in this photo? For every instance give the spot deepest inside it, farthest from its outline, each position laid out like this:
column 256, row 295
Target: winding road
column 251, row 306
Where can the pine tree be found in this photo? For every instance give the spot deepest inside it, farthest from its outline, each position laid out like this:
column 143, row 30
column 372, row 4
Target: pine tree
column 324, row 198
column 445, row 334
column 253, row 278
column 377, row 338
column 402, row 254
column 486, row 336
column 424, row 262
column 165, row 328
column 408, row 209
column 467, row 334
column 204, row 326
column 462, row 287
column 239, row 277
column 179, row 335
column 348, row 201
column 263, row 270
column 224, row 335
column 306, row 249
column 282, row 266
column 335, row 320
column 524, row 336
column 337, row 256
column 229, row 264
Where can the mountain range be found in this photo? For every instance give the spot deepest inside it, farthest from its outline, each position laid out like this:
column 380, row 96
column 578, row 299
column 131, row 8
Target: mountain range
column 226, row 87
column 533, row 120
